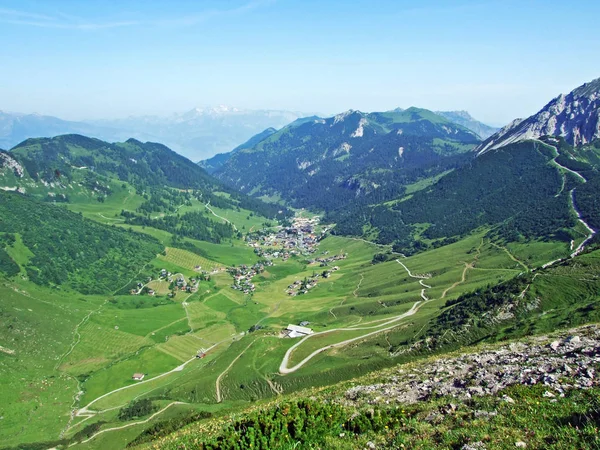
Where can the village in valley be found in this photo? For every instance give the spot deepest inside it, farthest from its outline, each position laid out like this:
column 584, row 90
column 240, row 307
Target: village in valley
column 300, row 239
column 177, row 283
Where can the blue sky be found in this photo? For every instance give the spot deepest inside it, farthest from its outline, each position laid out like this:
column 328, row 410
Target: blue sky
column 497, row 59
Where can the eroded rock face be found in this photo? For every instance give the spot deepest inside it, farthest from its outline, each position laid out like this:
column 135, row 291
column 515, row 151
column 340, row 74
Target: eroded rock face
column 575, row 116
column 569, row 361
column 7, row 161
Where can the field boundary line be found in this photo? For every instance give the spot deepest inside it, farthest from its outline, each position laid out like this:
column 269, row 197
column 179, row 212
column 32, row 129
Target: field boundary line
column 218, row 382
column 129, row 424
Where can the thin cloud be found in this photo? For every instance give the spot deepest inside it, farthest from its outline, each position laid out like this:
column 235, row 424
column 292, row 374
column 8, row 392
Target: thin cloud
column 14, row 13
column 81, row 26
column 66, row 21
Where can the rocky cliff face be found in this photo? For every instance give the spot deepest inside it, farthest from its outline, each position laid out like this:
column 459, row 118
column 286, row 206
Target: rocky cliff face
column 575, row 116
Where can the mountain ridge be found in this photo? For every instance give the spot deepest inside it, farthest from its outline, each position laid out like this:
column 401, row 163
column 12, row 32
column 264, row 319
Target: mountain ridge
column 314, row 160
column 574, row 116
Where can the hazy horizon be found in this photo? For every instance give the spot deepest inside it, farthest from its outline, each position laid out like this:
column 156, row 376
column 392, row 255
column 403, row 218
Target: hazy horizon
column 89, row 61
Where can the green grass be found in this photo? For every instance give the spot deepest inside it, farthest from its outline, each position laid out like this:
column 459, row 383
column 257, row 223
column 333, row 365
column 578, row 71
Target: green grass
column 37, row 325
column 19, row 252
column 151, row 362
column 107, row 212
column 188, row 260
column 423, row 184
column 243, row 219
column 153, row 335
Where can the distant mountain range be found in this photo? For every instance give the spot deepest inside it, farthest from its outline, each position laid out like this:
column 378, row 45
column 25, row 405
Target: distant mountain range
column 466, row 120
column 196, row 134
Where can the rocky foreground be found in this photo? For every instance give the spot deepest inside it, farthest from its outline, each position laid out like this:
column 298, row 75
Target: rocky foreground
column 566, row 361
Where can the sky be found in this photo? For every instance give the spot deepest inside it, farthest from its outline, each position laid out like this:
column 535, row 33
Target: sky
column 96, row 59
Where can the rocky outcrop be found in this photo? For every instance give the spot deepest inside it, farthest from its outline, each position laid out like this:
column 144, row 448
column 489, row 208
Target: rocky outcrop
column 575, row 117
column 567, row 361
column 8, row 162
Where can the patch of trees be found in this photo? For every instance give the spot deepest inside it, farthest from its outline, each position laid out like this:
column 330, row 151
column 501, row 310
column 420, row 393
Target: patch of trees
column 87, row 431
column 136, row 409
column 194, row 225
column 164, row 200
column 381, row 257
column 7, row 265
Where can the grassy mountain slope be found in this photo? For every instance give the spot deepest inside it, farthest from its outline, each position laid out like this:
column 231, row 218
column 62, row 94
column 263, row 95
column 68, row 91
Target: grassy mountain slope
column 326, row 163
column 437, row 405
column 132, row 182
column 141, row 164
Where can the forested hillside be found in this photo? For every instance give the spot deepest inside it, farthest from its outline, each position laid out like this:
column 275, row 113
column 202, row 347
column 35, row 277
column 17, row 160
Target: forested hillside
column 520, row 191
column 141, row 164
column 57, row 247
column 326, row 163
column 516, row 187
column 216, row 162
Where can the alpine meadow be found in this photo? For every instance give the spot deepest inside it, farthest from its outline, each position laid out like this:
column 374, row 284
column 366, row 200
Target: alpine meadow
column 413, row 277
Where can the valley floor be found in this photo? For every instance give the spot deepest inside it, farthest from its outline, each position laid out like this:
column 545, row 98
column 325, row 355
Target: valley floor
column 364, row 317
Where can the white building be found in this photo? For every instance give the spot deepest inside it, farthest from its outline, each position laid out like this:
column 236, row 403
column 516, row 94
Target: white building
column 294, row 331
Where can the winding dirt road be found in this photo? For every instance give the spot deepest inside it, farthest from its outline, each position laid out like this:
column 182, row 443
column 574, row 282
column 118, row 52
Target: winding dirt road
column 591, row 231
column 283, row 367
column 216, row 215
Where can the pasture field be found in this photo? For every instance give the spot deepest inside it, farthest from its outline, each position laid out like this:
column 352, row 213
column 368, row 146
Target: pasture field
column 123, row 197
column 99, row 342
column 189, row 260
column 243, row 219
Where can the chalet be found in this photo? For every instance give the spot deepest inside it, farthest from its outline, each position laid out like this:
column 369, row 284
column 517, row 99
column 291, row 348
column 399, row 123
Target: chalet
column 138, row 376
column 294, row 331
column 304, row 323
column 151, row 292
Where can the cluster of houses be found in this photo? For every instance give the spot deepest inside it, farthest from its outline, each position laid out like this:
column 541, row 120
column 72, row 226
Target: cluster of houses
column 242, row 276
column 298, row 239
column 325, row 261
column 300, row 287
column 178, row 283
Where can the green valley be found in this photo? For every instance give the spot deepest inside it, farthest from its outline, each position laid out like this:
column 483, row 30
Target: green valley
column 140, row 294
